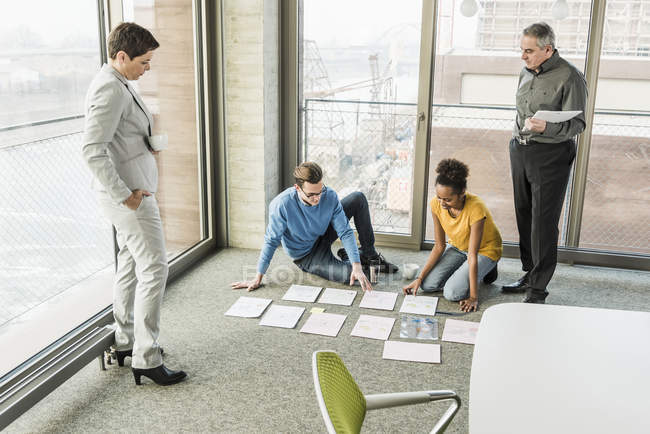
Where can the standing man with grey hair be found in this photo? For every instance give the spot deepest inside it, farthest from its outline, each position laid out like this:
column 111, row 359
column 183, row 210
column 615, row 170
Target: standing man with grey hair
column 541, row 154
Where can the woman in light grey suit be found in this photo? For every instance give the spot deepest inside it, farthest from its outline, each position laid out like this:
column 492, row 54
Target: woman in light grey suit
column 115, row 146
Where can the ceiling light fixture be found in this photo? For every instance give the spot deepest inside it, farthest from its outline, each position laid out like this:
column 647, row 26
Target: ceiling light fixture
column 469, row 8
column 560, row 10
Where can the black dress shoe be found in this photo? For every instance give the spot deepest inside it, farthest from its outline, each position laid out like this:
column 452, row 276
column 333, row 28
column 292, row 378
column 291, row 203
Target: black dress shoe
column 491, row 276
column 341, row 253
column 384, row 265
column 537, row 296
column 534, row 299
column 519, row 286
column 160, row 375
column 121, row 355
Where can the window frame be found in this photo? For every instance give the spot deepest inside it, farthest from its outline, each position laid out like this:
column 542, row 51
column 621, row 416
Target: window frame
column 35, row 378
column 291, row 69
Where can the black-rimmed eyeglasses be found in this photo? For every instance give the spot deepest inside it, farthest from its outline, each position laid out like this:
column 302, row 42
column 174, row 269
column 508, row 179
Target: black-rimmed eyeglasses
column 310, row 195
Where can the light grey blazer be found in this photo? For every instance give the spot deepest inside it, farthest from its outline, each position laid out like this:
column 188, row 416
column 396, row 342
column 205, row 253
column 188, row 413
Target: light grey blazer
column 115, row 143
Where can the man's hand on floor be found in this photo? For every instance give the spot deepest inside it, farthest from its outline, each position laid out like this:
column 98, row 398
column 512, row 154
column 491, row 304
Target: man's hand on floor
column 250, row 285
column 358, row 274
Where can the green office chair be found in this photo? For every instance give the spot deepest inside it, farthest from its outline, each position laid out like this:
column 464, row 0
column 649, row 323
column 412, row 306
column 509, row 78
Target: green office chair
column 344, row 406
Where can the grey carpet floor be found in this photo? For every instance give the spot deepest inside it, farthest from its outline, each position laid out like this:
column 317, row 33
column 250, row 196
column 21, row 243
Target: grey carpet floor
column 245, row 378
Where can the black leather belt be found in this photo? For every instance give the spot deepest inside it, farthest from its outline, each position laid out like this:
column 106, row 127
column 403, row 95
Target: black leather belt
column 523, row 141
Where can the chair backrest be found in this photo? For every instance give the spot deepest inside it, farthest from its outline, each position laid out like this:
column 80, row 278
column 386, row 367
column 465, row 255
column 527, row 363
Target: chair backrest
column 341, row 402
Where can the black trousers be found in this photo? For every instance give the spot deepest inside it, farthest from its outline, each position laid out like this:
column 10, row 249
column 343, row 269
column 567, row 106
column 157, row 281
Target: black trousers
column 540, row 173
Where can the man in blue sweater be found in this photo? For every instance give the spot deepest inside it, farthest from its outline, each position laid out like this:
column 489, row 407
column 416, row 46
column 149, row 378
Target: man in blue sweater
column 307, row 218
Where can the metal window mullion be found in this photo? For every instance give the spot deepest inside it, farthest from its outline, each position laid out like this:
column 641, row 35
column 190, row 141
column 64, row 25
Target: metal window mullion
column 216, row 152
column 584, row 143
column 110, row 12
column 199, row 35
column 291, row 101
column 305, row 116
column 104, row 24
column 423, row 122
column 102, row 20
column 114, row 15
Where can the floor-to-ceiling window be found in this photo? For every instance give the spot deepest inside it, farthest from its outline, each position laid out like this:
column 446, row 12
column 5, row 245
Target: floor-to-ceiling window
column 616, row 214
column 57, row 248
column 53, row 237
column 356, row 118
column 477, row 66
column 359, row 101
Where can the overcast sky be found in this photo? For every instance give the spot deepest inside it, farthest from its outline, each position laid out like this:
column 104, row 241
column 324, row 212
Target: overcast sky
column 357, row 22
column 52, row 20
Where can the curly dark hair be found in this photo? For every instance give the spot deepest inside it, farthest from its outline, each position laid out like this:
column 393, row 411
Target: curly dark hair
column 452, row 173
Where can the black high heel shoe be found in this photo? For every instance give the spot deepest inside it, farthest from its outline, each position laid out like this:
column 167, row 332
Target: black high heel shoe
column 160, row 375
column 121, row 355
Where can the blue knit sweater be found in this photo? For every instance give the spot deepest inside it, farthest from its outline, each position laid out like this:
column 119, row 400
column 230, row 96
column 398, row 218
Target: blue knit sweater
column 297, row 226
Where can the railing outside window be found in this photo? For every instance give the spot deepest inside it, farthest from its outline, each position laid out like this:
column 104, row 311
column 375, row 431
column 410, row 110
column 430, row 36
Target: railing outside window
column 53, row 234
column 369, row 146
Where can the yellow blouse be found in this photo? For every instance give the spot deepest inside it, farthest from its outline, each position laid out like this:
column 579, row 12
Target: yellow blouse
column 457, row 228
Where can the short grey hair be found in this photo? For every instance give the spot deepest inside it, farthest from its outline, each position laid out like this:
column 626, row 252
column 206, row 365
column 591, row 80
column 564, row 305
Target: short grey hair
column 543, row 32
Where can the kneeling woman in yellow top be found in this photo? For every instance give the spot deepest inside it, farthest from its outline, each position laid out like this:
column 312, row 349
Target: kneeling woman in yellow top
column 474, row 241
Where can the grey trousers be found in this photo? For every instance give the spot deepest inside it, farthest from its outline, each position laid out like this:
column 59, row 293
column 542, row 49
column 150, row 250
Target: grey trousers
column 139, row 280
column 540, row 173
column 451, row 274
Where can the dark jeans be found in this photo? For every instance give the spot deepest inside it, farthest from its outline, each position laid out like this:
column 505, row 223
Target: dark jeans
column 320, row 260
column 540, row 173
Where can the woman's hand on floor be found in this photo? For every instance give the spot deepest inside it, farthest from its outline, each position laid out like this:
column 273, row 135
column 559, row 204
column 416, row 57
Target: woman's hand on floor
column 412, row 288
column 469, row 304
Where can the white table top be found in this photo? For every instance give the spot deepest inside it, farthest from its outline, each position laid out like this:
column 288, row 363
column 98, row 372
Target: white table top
column 560, row 369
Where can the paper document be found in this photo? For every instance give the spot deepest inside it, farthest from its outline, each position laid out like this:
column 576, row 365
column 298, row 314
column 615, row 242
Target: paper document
column 559, row 116
column 282, row 316
column 379, row 300
column 308, row 294
column 248, row 307
column 415, row 327
column 328, row 324
column 412, row 352
column 373, row 327
column 419, row 305
column 344, row 297
column 463, row 332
